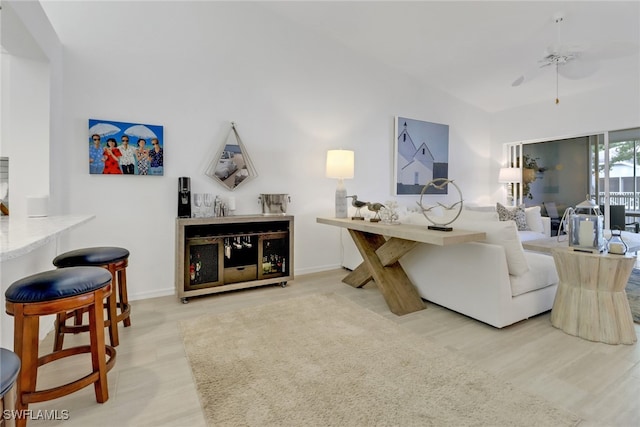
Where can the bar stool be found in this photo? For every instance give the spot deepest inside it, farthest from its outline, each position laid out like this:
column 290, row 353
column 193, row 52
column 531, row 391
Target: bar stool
column 53, row 292
column 9, row 368
column 115, row 260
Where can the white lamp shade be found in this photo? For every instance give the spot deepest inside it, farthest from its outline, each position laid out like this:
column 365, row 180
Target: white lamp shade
column 508, row 175
column 340, row 164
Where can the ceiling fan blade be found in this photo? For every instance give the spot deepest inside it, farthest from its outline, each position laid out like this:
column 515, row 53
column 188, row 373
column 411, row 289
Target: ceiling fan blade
column 568, row 48
column 578, row 69
column 518, row 81
column 528, row 76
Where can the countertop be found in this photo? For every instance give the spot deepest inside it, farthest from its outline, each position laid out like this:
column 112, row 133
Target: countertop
column 19, row 236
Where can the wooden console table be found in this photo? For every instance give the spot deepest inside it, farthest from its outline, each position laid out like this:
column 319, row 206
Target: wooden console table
column 382, row 245
column 590, row 301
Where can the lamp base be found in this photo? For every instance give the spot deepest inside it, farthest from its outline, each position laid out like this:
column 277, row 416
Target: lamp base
column 341, row 200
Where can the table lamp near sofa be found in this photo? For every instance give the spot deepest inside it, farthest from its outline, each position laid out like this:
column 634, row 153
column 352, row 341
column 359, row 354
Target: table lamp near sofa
column 340, row 165
column 510, row 176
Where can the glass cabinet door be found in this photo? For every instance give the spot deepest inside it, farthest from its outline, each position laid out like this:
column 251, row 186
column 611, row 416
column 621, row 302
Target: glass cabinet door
column 273, row 253
column 203, row 263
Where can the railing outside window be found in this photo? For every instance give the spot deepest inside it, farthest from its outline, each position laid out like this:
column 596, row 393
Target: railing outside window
column 629, row 199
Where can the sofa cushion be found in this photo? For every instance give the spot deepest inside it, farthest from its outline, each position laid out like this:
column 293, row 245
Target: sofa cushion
column 516, row 214
column 526, row 236
column 503, row 233
column 541, row 274
column 471, row 206
column 532, row 213
column 472, row 215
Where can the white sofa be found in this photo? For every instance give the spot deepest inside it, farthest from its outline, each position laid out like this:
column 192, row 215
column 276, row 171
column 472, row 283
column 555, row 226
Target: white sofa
column 494, row 281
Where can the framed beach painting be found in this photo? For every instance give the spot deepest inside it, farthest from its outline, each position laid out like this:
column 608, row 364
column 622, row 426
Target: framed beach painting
column 421, row 155
column 120, row 148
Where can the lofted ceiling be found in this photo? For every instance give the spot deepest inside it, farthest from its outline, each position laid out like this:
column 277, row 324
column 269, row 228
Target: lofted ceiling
column 473, row 50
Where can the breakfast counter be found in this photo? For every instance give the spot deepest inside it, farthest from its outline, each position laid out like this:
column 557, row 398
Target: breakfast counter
column 19, row 236
column 27, row 246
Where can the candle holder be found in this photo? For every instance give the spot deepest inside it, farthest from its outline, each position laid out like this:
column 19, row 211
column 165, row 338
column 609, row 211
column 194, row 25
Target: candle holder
column 586, row 226
column 616, row 245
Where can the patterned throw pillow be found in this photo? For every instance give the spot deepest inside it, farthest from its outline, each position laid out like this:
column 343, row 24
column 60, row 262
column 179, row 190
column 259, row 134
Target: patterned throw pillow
column 514, row 214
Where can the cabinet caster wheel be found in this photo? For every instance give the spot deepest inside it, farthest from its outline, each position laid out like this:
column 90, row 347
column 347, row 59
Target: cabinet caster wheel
column 283, row 284
column 185, row 301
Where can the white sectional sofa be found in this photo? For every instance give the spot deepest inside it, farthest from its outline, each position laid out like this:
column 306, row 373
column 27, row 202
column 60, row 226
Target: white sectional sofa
column 494, row 281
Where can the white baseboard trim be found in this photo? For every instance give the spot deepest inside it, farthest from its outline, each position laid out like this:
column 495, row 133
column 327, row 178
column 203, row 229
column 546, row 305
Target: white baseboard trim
column 304, row 271
column 171, row 291
column 152, row 294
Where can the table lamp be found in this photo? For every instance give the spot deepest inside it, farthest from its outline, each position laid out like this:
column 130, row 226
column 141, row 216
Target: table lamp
column 340, row 165
column 510, row 176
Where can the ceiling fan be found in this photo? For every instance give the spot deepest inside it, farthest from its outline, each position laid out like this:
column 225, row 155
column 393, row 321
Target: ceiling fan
column 573, row 61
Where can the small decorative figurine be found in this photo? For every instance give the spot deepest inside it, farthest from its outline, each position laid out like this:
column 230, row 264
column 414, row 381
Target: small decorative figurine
column 357, row 204
column 375, row 207
column 389, row 213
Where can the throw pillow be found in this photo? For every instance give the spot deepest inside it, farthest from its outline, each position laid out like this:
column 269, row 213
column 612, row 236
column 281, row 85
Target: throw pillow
column 518, row 215
column 534, row 219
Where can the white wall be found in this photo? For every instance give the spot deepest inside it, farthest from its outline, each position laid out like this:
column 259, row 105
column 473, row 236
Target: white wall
column 293, row 95
column 606, row 109
column 31, row 62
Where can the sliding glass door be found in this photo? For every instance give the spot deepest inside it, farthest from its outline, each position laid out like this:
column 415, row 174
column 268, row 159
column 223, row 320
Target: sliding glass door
column 622, row 172
column 604, row 167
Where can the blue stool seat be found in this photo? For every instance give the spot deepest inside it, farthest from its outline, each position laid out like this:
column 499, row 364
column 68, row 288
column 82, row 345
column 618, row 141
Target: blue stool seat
column 9, row 368
column 56, row 284
column 91, row 256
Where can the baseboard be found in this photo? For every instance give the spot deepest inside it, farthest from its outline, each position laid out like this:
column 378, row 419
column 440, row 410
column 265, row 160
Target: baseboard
column 304, row 271
column 152, row 294
column 171, row 291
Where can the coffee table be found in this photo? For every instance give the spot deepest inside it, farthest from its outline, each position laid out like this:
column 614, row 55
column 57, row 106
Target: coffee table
column 591, row 302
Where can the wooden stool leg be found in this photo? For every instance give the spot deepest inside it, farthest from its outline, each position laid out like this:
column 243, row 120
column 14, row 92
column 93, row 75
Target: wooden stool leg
column 77, row 316
column 58, row 340
column 124, row 298
column 112, row 315
column 25, row 345
column 98, row 357
column 112, row 310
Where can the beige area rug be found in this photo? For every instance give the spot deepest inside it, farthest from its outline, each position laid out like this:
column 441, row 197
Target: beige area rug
column 633, row 294
column 322, row 360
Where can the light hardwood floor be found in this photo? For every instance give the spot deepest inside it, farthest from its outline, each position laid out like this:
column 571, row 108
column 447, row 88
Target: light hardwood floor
column 151, row 383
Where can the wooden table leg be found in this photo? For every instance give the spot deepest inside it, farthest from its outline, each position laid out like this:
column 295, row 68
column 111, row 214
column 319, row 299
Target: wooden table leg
column 381, row 263
column 358, row 277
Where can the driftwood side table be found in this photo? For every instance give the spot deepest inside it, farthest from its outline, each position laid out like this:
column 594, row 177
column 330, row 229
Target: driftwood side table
column 591, row 302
